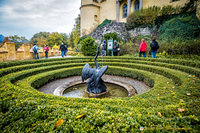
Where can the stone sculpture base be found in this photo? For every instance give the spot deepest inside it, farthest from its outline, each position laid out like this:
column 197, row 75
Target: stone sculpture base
column 99, row 95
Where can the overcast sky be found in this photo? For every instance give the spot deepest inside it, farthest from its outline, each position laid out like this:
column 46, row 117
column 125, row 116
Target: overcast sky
column 27, row 17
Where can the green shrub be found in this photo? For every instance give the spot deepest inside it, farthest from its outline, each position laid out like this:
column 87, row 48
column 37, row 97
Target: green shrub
column 180, row 35
column 185, row 27
column 88, row 46
column 111, row 36
column 155, row 15
column 24, row 109
column 143, row 18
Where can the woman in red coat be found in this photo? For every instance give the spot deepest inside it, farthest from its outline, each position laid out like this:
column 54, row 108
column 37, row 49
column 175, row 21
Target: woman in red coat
column 143, row 48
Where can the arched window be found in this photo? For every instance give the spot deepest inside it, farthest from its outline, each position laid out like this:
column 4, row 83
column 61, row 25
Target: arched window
column 136, row 5
column 124, row 10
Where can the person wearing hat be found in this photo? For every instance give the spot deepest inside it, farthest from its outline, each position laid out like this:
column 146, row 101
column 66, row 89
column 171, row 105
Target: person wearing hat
column 115, row 48
column 62, row 48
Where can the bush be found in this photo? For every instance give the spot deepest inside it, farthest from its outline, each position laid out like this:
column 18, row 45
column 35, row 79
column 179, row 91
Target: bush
column 180, row 47
column 156, row 15
column 23, row 109
column 143, row 18
column 88, row 46
column 180, row 35
column 112, row 36
column 132, row 47
column 185, row 27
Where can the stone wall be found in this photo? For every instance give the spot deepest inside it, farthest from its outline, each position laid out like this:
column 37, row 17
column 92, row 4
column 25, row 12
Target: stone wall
column 8, row 52
column 117, row 27
column 122, row 32
column 143, row 31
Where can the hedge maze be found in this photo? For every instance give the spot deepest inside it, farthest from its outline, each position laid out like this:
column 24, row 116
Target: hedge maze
column 172, row 105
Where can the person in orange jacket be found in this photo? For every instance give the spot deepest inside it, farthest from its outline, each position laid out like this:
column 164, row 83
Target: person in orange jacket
column 143, row 48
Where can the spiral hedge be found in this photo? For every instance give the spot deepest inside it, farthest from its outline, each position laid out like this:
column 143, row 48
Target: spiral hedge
column 172, row 105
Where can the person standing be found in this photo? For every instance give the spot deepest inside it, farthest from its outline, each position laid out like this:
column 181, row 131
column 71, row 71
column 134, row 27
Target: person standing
column 46, row 48
column 62, row 48
column 154, row 47
column 115, row 48
column 103, row 48
column 66, row 49
column 143, row 48
column 35, row 51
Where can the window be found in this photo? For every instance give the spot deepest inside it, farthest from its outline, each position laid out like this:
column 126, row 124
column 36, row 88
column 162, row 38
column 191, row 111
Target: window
column 96, row 1
column 95, row 18
column 174, row 0
column 102, row 1
column 124, row 10
column 136, row 5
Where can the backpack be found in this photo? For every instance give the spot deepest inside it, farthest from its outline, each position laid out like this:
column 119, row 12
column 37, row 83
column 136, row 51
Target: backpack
column 35, row 50
column 154, row 46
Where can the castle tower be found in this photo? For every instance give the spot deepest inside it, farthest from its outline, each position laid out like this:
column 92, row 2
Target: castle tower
column 90, row 16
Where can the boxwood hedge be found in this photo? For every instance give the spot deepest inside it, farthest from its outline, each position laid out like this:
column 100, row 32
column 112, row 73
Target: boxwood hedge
column 171, row 105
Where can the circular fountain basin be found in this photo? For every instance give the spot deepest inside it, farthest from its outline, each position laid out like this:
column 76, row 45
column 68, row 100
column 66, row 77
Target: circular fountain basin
column 74, row 87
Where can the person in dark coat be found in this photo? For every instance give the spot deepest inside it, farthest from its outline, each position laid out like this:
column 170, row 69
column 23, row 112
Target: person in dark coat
column 115, row 48
column 62, row 48
column 154, row 47
column 66, row 49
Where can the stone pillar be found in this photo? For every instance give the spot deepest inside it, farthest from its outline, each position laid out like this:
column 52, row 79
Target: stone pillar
column 118, row 5
column 11, row 51
column 141, row 4
column 128, row 7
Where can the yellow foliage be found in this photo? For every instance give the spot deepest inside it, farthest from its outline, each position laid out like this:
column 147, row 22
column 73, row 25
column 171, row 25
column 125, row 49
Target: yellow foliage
column 59, row 122
column 80, row 116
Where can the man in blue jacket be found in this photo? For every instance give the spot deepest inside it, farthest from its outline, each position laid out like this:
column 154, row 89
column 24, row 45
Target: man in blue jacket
column 35, row 51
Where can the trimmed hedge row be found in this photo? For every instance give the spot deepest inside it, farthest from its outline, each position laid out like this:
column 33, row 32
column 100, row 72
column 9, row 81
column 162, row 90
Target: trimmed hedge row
column 114, row 111
column 163, row 71
column 171, row 61
column 24, row 109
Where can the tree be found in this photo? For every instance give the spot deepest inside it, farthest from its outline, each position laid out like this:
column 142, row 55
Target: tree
column 55, row 39
column 40, row 38
column 65, row 39
column 71, row 40
column 75, row 34
column 18, row 40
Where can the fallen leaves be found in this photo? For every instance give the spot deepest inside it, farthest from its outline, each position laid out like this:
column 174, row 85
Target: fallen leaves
column 188, row 94
column 159, row 114
column 80, row 116
column 59, row 122
column 181, row 110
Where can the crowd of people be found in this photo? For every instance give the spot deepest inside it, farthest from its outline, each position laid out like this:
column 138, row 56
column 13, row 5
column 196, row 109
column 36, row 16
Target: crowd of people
column 142, row 49
column 35, row 48
column 115, row 49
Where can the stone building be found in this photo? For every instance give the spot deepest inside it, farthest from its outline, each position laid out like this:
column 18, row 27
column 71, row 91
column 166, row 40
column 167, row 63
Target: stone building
column 94, row 12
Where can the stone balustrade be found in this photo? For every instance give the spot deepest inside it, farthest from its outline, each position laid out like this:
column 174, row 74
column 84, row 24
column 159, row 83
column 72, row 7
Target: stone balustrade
column 8, row 52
